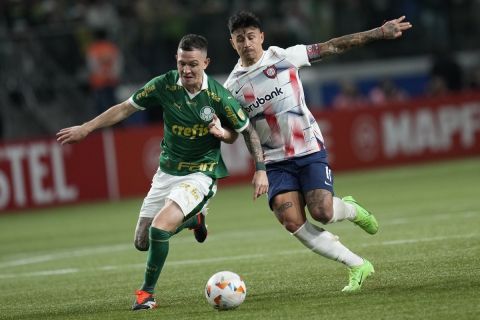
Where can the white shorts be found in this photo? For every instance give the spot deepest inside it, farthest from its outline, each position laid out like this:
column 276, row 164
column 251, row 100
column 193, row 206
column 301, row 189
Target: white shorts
column 190, row 192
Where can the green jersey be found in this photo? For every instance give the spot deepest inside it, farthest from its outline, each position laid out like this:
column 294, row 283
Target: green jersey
column 187, row 145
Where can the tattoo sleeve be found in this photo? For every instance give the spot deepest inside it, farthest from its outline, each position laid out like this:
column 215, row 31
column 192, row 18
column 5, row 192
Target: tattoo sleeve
column 339, row 45
column 253, row 143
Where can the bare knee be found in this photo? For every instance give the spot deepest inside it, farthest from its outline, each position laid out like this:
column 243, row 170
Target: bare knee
column 320, row 205
column 169, row 218
column 291, row 221
column 289, row 210
column 292, row 226
column 321, row 214
column 141, row 245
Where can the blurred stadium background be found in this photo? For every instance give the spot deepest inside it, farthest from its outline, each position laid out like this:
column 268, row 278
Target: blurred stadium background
column 411, row 100
column 67, row 213
column 44, row 71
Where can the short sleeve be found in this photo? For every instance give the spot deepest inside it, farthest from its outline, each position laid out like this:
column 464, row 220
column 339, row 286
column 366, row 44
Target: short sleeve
column 149, row 95
column 232, row 112
column 298, row 55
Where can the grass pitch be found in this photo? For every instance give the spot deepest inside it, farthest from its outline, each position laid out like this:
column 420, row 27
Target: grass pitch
column 78, row 262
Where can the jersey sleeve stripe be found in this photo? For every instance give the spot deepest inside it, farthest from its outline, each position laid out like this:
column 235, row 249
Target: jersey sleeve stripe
column 244, row 127
column 134, row 104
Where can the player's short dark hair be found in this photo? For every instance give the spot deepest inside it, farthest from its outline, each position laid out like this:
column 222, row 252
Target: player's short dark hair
column 243, row 19
column 192, row 42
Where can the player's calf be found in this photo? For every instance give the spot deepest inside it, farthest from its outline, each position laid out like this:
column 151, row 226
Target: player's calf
column 141, row 240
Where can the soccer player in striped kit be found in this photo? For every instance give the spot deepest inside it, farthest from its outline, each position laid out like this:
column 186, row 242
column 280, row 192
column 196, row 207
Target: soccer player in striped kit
column 268, row 87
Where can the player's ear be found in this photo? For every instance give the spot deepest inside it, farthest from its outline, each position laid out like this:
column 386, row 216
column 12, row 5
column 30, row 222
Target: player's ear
column 262, row 37
column 233, row 44
column 206, row 62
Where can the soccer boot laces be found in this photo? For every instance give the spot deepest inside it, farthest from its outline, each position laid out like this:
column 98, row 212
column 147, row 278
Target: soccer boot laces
column 357, row 276
column 364, row 219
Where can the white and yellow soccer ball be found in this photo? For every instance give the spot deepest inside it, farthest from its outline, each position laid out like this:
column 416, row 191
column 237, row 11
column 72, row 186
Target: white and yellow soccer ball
column 225, row 290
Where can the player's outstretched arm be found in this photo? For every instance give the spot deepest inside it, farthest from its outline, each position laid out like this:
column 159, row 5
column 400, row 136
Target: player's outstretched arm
column 260, row 180
column 111, row 116
column 392, row 29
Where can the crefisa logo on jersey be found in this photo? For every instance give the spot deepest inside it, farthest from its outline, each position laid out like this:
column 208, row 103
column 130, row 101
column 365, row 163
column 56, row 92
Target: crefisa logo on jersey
column 270, row 71
column 206, row 113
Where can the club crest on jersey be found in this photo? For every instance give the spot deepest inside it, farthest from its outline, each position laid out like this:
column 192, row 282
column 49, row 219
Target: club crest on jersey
column 206, row 113
column 270, row 71
column 241, row 114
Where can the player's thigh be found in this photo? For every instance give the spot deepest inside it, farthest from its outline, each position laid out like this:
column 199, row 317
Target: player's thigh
column 317, row 186
column 155, row 198
column 192, row 192
column 188, row 195
column 169, row 218
column 289, row 208
column 282, row 178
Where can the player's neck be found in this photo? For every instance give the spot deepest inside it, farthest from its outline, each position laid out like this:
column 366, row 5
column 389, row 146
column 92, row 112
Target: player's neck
column 194, row 88
column 249, row 62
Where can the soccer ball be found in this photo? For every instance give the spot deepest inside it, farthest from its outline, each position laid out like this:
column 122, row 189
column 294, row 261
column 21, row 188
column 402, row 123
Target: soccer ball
column 225, row 290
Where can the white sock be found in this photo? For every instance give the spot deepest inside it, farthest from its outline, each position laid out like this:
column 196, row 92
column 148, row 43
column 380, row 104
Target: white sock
column 326, row 244
column 342, row 211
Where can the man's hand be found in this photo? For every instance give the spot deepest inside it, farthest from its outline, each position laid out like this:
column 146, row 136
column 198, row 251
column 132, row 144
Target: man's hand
column 215, row 128
column 394, row 28
column 72, row 134
column 260, row 183
column 223, row 134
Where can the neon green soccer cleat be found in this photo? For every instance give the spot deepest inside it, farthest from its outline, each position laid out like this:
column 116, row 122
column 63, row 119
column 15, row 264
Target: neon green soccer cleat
column 357, row 276
column 364, row 219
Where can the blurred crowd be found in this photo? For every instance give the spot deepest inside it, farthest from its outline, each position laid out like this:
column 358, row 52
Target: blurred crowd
column 140, row 37
column 445, row 76
column 151, row 28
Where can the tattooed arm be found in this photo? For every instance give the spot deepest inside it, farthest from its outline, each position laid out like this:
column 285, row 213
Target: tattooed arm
column 260, row 181
column 253, row 143
column 389, row 30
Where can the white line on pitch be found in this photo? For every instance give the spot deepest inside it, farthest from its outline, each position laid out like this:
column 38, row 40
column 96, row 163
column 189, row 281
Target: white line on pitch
column 217, row 259
column 406, row 241
column 66, row 254
column 81, row 252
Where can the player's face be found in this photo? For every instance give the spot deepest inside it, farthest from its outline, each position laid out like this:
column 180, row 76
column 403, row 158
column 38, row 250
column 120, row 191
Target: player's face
column 190, row 66
column 248, row 44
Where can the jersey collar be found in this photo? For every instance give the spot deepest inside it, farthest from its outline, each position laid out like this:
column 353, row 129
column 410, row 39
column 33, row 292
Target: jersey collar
column 204, row 86
column 253, row 66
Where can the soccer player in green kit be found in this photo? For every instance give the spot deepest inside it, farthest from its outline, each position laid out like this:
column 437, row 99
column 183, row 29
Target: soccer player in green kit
column 190, row 161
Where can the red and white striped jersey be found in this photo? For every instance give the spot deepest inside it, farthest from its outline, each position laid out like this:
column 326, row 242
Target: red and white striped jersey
column 271, row 93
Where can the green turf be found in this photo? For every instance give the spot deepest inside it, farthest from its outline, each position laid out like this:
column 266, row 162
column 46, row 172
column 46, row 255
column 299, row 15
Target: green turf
column 78, row 262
